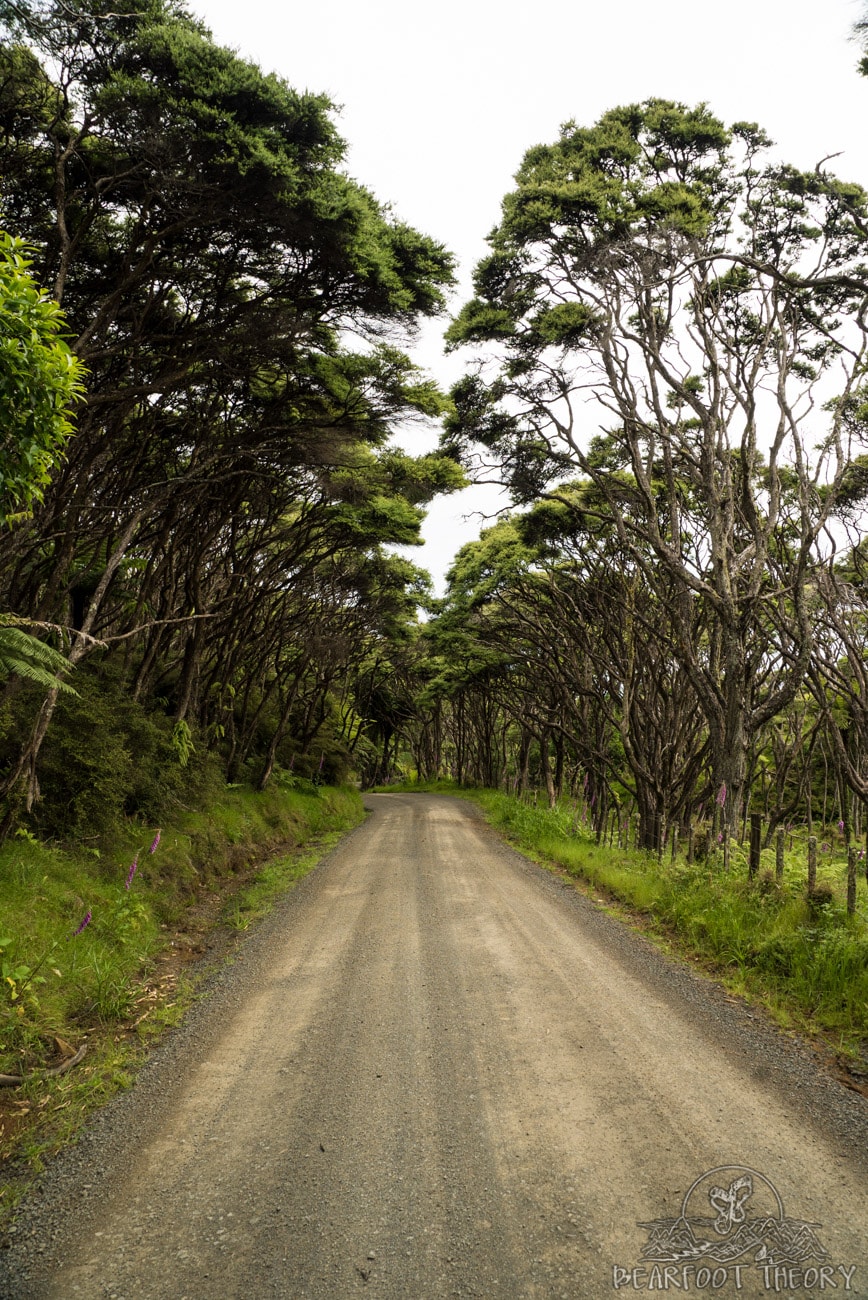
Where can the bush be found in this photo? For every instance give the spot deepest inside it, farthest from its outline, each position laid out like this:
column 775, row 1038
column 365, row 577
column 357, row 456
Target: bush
column 105, row 758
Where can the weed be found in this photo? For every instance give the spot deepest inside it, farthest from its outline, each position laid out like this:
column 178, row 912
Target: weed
column 104, row 987
column 821, row 898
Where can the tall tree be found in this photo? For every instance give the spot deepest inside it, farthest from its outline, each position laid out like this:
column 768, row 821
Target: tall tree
column 686, row 324
column 860, row 31
column 239, row 303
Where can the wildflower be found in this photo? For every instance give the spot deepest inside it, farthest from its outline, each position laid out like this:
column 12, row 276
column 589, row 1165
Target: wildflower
column 155, row 842
column 825, row 848
column 840, row 826
column 321, row 757
column 720, row 837
column 721, row 795
column 87, row 916
column 132, row 871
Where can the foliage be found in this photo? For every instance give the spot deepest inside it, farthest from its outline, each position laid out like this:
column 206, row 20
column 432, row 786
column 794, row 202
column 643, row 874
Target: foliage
column 218, row 535
column 24, row 655
column 105, row 980
column 107, row 759
column 40, row 380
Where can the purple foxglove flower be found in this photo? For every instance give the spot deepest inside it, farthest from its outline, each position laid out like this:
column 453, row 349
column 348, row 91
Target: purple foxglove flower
column 840, row 826
column 721, row 795
column 321, row 757
column 86, row 922
column 132, row 871
column 156, row 841
column 825, row 847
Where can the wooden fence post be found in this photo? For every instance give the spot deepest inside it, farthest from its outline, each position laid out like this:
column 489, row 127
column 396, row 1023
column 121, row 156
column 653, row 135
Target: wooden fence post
column 756, row 826
column 812, row 863
column 779, row 855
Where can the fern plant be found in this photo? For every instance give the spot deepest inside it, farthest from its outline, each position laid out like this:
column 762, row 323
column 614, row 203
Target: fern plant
column 24, row 655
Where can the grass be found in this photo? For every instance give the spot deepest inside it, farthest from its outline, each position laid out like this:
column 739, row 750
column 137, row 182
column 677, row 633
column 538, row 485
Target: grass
column 279, row 874
column 804, row 959
column 121, row 980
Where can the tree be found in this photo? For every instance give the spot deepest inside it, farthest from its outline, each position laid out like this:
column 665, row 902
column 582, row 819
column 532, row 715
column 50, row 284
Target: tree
column 610, row 640
column 860, row 32
column 685, row 324
column 240, row 304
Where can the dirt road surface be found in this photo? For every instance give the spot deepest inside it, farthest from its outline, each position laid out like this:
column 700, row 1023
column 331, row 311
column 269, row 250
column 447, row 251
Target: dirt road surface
column 436, row 1071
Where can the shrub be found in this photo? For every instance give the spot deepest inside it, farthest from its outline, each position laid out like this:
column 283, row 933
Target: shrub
column 105, row 758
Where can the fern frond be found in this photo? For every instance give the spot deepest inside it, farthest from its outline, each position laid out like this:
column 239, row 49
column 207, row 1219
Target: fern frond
column 32, row 660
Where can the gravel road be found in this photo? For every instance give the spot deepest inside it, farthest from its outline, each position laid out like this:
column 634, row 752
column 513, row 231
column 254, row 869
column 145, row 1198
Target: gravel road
column 436, row 1071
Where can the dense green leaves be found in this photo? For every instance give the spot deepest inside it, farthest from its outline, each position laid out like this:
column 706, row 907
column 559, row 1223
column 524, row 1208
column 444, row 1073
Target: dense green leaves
column 24, row 655
column 39, row 383
column 217, row 532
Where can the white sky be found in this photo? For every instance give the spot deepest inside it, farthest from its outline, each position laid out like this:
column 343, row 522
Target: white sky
column 439, row 102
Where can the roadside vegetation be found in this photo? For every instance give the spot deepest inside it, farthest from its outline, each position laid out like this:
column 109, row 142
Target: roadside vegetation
column 205, row 619
column 799, row 953
column 96, row 952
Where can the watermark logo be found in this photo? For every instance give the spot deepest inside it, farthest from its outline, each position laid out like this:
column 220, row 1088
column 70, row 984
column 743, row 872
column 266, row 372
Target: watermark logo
column 732, row 1228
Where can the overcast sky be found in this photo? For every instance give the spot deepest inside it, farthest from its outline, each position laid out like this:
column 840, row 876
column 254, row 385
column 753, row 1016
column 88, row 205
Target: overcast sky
column 438, row 103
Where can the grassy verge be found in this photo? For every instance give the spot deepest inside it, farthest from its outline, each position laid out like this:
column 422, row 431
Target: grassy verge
column 805, row 960
column 255, row 899
column 117, row 981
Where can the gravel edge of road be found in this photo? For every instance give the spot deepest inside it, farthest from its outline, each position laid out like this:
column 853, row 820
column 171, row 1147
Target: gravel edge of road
column 61, row 1198
column 786, row 1061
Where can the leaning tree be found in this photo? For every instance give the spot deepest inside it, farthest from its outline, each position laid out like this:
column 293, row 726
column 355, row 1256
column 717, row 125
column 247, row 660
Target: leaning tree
column 238, row 301
column 685, row 323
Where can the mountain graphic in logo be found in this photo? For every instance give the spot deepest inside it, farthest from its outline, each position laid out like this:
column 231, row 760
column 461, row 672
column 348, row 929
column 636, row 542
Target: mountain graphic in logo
column 730, row 1232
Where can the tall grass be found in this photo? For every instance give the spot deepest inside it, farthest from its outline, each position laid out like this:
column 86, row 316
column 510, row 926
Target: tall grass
column 62, row 978
column 64, row 983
